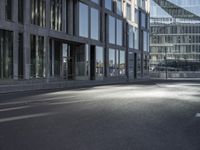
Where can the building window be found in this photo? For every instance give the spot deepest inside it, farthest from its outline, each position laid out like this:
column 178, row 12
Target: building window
column 119, row 32
column 136, row 16
column 99, row 62
column 21, row 11
column 122, row 64
column 83, row 20
column 131, row 37
column 128, row 12
column 112, row 30
column 145, row 41
column 109, row 4
column 38, row 12
column 117, row 62
column 143, row 20
column 6, row 54
column 56, row 15
column 8, row 9
column 37, row 56
column 119, row 7
column 94, row 24
column 21, row 56
column 112, row 62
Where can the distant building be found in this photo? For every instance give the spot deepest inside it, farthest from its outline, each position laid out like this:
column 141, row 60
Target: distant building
column 74, row 39
column 175, row 35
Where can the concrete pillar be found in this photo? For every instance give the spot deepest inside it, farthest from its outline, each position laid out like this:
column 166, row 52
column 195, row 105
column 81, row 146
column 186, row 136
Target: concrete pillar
column 27, row 39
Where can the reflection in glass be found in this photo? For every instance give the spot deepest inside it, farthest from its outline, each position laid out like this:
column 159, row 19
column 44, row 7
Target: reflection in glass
column 94, row 24
column 83, row 20
column 99, row 62
column 119, row 32
column 111, row 30
column 38, row 12
column 122, row 69
column 6, row 54
column 109, row 4
column 56, row 14
column 37, row 56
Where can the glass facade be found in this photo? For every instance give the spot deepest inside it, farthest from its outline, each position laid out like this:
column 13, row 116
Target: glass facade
column 6, row 54
column 112, row 30
column 21, row 57
column 38, row 12
column 94, row 24
column 37, row 56
column 21, row 11
column 56, row 14
column 99, row 62
column 70, row 40
column 83, row 20
column 109, row 4
column 8, row 9
column 175, row 36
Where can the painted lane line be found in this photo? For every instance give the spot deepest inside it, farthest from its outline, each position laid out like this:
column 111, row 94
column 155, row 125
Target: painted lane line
column 31, row 101
column 14, row 108
column 9, row 119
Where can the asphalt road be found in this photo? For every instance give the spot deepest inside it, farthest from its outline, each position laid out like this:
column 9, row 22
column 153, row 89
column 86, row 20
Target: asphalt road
column 160, row 116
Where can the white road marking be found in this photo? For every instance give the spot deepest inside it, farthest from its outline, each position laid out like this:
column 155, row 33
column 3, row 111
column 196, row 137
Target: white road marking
column 30, row 101
column 197, row 115
column 3, row 120
column 13, row 108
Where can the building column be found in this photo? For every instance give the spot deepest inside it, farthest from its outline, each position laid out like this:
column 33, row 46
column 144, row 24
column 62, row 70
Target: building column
column 27, row 39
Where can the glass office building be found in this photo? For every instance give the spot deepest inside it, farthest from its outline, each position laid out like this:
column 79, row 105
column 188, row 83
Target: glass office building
column 74, row 39
column 175, row 36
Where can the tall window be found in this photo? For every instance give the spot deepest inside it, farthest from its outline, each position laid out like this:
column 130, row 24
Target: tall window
column 21, row 56
column 56, row 14
column 145, row 41
column 111, row 30
column 122, row 64
column 116, row 62
column 109, row 4
column 83, row 19
column 6, row 54
column 94, row 24
column 119, row 32
column 112, row 62
column 8, row 9
column 38, row 12
column 128, row 12
column 119, row 7
column 99, row 62
column 21, row 11
column 37, row 56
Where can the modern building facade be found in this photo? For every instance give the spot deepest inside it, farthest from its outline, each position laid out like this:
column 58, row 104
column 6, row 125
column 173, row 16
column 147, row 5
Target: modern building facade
column 74, row 39
column 175, row 36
